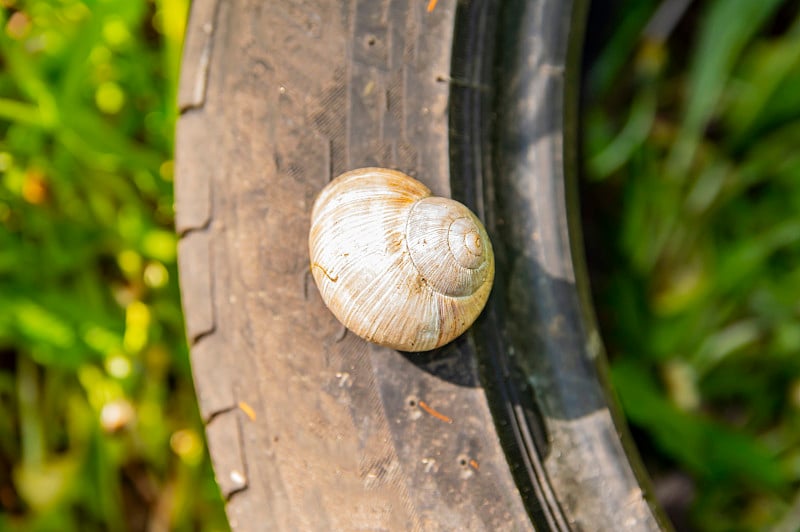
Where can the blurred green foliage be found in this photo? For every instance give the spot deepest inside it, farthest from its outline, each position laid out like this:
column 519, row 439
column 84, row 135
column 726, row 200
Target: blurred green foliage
column 692, row 220
column 99, row 427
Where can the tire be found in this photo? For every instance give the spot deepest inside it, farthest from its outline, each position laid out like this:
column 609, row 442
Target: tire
column 311, row 428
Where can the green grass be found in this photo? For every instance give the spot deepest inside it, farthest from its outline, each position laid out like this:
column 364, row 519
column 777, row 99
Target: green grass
column 692, row 202
column 99, row 427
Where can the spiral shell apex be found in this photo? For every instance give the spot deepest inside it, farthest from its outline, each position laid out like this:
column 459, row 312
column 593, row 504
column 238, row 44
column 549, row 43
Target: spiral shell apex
column 395, row 265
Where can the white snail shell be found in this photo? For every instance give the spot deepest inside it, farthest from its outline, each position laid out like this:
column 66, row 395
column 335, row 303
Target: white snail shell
column 395, row 265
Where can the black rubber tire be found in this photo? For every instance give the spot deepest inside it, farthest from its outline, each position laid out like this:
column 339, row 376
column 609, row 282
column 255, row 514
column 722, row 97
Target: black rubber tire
column 311, row 428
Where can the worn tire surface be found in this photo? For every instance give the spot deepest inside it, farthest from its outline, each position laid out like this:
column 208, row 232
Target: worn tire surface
column 311, row 428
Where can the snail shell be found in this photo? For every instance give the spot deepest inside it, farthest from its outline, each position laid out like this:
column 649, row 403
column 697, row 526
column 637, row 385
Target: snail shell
column 395, row 265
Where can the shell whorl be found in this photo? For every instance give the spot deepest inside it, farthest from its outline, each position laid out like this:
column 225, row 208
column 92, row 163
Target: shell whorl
column 446, row 244
column 396, row 265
